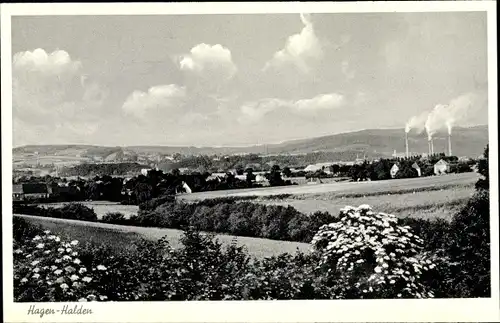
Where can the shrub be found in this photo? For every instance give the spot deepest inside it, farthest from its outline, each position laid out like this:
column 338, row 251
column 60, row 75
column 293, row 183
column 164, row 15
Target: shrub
column 435, row 234
column 470, row 247
column 21, row 229
column 482, row 168
column 78, row 211
column 114, row 218
column 285, row 277
column 155, row 202
column 371, row 256
column 47, row 269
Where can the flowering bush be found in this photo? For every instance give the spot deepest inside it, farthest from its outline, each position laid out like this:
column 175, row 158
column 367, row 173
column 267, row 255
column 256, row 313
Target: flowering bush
column 371, row 256
column 46, row 268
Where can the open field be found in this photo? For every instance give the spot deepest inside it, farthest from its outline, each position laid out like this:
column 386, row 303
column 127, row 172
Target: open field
column 430, row 197
column 103, row 207
column 47, row 160
column 121, row 237
column 425, row 204
column 437, row 197
column 393, row 185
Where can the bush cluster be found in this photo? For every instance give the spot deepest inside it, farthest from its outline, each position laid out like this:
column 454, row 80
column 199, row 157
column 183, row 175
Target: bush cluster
column 47, row 268
column 236, row 218
column 72, row 211
column 200, row 269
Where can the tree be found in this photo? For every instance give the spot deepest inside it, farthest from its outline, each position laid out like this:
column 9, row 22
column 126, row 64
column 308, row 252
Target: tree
column 275, row 168
column 287, row 172
column 239, row 171
column 406, row 171
column 482, row 169
column 275, row 177
column 381, row 170
column 335, row 168
column 142, row 192
column 250, row 177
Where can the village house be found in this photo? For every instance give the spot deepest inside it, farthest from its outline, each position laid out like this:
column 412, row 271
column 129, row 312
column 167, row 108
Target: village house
column 261, row 179
column 325, row 167
column 441, row 167
column 394, row 170
column 417, row 168
column 186, row 189
column 312, row 168
column 28, row 191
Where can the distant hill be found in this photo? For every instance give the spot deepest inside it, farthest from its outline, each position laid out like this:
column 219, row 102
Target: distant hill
column 382, row 142
column 372, row 143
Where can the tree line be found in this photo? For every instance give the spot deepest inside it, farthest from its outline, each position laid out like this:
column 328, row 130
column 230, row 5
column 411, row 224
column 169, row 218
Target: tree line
column 142, row 188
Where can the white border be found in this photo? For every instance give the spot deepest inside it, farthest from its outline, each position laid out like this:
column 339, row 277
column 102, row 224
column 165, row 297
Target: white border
column 459, row 310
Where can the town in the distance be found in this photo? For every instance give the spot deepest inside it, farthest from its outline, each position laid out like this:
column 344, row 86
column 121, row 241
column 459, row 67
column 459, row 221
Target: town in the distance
column 60, row 170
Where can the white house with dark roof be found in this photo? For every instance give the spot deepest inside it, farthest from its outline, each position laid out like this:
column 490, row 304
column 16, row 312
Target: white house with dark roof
column 417, row 168
column 394, row 170
column 441, row 167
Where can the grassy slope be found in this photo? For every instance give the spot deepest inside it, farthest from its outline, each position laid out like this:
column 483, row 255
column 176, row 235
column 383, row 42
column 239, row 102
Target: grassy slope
column 425, row 204
column 394, row 185
column 436, row 197
column 120, row 237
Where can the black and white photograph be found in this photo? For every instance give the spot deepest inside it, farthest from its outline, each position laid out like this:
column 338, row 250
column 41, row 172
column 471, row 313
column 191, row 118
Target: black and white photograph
column 248, row 156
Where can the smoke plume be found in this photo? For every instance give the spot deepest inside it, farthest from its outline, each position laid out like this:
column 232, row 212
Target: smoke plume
column 456, row 112
column 417, row 123
column 436, row 120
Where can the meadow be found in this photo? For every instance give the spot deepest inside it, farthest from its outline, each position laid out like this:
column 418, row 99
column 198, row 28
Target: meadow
column 439, row 203
column 428, row 197
column 120, row 237
column 366, row 188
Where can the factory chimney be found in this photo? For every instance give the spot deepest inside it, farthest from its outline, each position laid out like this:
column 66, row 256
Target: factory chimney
column 449, row 144
column 406, row 143
column 429, row 144
column 432, row 147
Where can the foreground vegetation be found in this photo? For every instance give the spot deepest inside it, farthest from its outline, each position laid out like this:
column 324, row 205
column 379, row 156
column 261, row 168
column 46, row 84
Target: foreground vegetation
column 357, row 254
column 361, row 254
column 120, row 237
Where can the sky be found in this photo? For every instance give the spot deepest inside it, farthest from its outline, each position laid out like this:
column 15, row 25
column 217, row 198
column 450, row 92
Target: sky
column 227, row 80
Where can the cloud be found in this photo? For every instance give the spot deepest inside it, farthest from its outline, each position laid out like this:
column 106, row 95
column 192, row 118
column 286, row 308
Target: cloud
column 209, row 61
column 50, row 89
column 256, row 110
column 157, row 98
column 300, row 49
column 346, row 69
column 56, row 63
column 193, row 118
column 319, row 102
